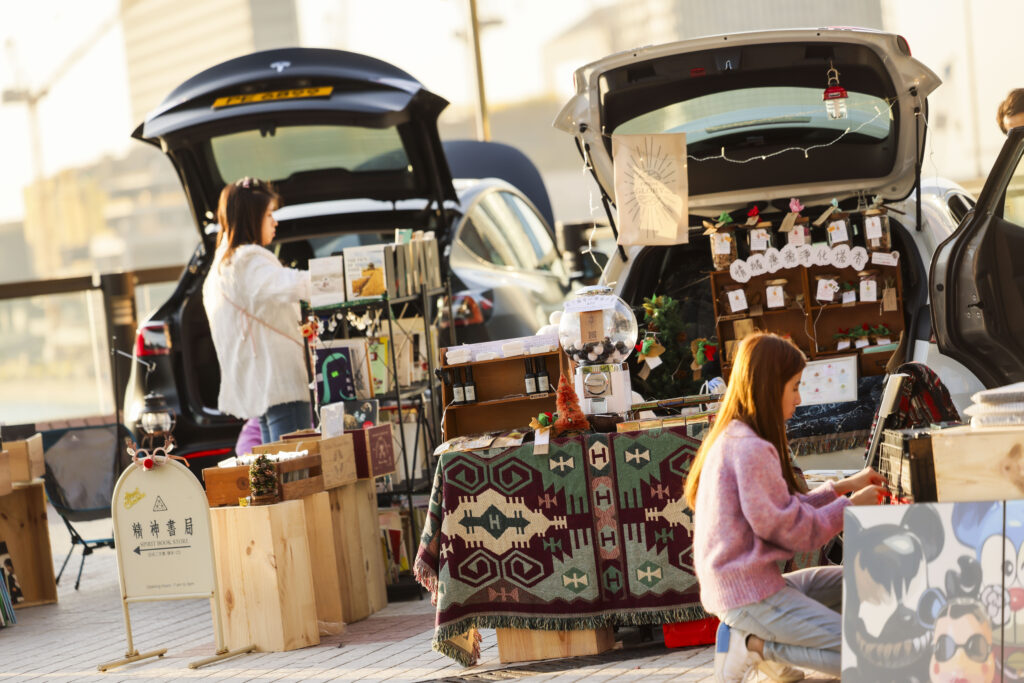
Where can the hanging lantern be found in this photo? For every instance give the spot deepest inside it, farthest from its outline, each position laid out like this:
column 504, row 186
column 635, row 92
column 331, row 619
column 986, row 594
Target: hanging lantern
column 835, row 95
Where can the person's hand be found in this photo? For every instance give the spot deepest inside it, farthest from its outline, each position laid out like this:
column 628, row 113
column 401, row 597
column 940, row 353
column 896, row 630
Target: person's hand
column 869, row 495
column 866, row 477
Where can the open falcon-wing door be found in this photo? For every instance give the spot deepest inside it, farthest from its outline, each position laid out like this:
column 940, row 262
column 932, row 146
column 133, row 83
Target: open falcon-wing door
column 977, row 277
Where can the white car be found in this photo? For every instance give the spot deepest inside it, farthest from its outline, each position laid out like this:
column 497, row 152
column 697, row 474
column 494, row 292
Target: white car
column 757, row 133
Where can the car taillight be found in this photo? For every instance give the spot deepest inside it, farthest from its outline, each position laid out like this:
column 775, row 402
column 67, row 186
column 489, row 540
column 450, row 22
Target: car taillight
column 152, row 340
column 904, row 46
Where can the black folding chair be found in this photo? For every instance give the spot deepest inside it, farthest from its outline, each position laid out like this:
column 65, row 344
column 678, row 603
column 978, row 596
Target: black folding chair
column 82, row 466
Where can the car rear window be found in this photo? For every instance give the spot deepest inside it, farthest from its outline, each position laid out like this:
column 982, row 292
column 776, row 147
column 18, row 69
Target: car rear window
column 287, row 150
column 753, row 110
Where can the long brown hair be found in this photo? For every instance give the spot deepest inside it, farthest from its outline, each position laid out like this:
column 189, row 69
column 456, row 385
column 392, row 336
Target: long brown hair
column 240, row 212
column 764, row 363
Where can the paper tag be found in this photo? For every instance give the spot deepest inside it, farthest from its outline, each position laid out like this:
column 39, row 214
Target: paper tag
column 824, row 215
column 788, row 222
column 842, row 344
column 880, row 258
column 882, row 341
column 827, row 290
column 541, row 439
column 797, row 236
column 721, row 243
column 737, row 300
column 758, row 239
column 868, row 290
column 861, row 343
column 644, row 372
column 654, row 361
column 889, row 299
column 752, row 221
column 590, row 303
column 873, row 227
column 775, row 294
column 837, row 232
column 850, row 297
column 591, row 326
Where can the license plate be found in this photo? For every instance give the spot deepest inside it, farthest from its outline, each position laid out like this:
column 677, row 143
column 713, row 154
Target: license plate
column 273, row 96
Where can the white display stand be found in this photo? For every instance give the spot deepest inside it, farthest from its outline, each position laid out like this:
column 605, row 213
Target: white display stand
column 164, row 547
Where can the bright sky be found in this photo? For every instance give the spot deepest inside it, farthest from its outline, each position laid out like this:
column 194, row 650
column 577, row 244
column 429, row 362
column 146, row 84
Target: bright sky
column 86, row 113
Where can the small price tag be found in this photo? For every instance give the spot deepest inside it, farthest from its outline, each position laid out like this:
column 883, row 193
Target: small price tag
column 868, row 290
column 797, row 236
column 775, row 295
column 850, row 297
column 591, row 327
column 737, row 300
column 861, row 343
column 889, row 299
column 541, row 439
column 721, row 243
column 842, row 344
column 788, row 222
column 873, row 227
column 827, row 290
column 880, row 258
column 882, row 341
column 837, row 232
column 758, row 239
column 820, row 220
column 653, row 362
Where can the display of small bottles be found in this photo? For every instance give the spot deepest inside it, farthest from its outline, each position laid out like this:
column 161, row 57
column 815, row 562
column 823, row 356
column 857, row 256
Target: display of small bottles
column 469, row 387
column 543, row 383
column 458, row 390
column 530, row 380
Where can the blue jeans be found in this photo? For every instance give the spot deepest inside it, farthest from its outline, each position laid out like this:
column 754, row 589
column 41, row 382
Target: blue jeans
column 283, row 418
column 801, row 624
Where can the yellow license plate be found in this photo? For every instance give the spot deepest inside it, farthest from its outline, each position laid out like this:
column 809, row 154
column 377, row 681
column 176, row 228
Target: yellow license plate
column 297, row 93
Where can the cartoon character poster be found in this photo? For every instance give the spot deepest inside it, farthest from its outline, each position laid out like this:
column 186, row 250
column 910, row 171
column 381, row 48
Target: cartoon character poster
column 334, row 375
column 934, row 592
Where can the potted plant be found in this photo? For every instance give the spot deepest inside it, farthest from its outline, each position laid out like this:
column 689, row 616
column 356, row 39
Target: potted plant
column 861, row 336
column 843, row 339
column 882, row 335
column 263, row 484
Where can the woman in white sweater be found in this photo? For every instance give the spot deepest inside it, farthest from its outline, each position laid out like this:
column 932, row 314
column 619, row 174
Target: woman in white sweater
column 252, row 303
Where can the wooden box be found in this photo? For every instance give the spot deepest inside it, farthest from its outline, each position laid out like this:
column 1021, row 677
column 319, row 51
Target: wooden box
column 265, row 574
column 357, row 545
column 978, row 464
column 337, row 454
column 24, row 528
column 26, row 458
column 905, row 460
column 326, row 587
column 527, row 645
column 5, row 473
column 226, row 485
column 374, row 451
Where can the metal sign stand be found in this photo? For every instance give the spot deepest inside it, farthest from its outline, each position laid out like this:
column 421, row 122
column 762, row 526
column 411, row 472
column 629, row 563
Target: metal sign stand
column 174, row 560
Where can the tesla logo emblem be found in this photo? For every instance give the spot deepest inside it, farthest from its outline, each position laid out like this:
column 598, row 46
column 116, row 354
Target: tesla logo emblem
column 280, row 66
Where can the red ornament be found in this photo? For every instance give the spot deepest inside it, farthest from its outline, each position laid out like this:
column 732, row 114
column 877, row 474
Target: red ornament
column 753, row 212
column 367, row 424
column 147, row 463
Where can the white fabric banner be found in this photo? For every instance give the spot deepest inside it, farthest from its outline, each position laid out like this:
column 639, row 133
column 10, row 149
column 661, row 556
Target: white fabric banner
column 651, row 188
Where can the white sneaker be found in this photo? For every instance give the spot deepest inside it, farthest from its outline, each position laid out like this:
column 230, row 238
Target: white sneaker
column 779, row 672
column 733, row 661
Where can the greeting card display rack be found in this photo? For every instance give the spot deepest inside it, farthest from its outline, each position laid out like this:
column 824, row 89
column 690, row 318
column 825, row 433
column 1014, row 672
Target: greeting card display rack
column 811, row 324
column 397, row 396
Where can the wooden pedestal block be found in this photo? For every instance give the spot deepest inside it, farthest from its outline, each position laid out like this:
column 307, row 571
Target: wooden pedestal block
column 527, row 645
column 978, row 464
column 326, row 586
column 26, row 458
column 23, row 527
column 357, row 545
column 5, row 473
column 265, row 576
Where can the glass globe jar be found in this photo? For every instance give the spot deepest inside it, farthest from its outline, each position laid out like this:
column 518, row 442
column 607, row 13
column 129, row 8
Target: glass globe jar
column 597, row 327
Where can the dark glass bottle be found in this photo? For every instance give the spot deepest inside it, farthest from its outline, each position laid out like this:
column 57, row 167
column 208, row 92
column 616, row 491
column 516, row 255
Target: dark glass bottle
column 469, row 388
column 531, row 378
column 543, row 383
column 458, row 389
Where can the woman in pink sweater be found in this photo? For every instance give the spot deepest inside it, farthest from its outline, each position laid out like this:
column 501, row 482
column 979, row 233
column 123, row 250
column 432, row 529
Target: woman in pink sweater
column 752, row 513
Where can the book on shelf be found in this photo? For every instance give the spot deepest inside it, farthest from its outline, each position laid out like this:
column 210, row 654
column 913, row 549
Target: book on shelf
column 365, row 276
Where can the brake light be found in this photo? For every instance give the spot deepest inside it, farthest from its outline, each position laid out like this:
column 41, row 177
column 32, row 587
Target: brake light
column 903, row 45
column 153, row 339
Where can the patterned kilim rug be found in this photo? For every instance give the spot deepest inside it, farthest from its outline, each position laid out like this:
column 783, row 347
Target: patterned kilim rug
column 595, row 532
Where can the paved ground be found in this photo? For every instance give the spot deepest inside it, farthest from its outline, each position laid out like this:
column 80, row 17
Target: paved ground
column 67, row 640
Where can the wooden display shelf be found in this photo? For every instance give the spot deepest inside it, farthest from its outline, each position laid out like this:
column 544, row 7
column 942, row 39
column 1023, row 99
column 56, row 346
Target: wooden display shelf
column 812, row 325
column 24, row 528
column 501, row 402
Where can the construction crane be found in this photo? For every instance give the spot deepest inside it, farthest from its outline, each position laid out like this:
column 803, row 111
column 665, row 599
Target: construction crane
column 20, row 93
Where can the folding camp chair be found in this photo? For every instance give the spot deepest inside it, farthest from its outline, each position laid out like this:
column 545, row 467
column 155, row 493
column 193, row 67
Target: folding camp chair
column 82, row 466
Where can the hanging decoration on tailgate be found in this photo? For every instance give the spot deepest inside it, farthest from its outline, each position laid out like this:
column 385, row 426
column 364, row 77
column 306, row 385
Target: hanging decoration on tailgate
column 651, row 189
column 835, row 95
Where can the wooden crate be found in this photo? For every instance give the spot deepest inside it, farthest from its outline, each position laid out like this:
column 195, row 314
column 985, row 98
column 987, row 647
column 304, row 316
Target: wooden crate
column 337, row 454
column 978, row 464
column 5, row 473
column 357, row 546
column 226, row 485
column 26, row 458
column 329, row 612
column 24, row 528
column 265, row 574
column 374, row 451
column 527, row 645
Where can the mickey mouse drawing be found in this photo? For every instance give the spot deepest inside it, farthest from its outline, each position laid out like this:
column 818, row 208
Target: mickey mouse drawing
column 881, row 622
